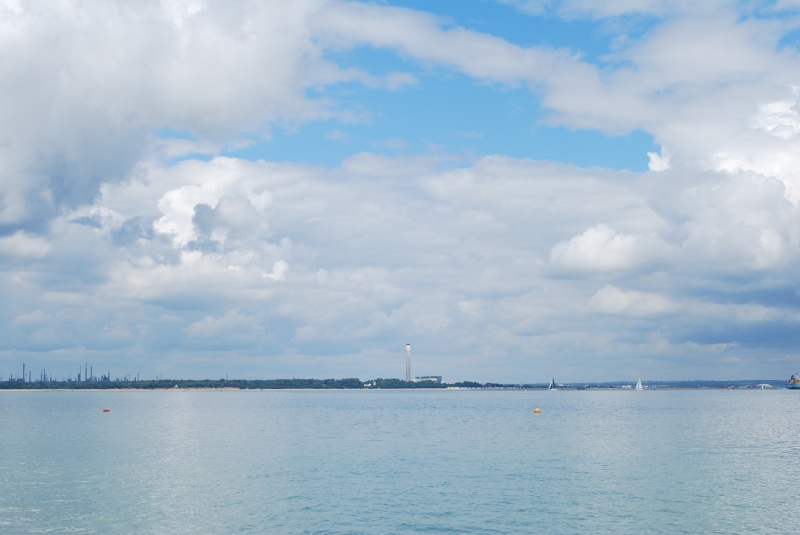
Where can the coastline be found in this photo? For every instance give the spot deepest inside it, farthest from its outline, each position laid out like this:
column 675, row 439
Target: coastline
column 382, row 384
column 456, row 389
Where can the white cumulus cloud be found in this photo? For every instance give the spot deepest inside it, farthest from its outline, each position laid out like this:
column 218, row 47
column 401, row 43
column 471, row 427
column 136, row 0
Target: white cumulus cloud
column 23, row 245
column 601, row 249
column 613, row 300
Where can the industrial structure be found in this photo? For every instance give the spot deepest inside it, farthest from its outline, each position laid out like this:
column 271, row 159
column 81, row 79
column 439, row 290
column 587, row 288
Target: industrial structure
column 408, row 362
column 434, row 378
column 85, row 374
column 409, row 379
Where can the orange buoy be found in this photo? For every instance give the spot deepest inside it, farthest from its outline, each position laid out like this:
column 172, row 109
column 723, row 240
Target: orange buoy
column 106, row 410
column 537, row 410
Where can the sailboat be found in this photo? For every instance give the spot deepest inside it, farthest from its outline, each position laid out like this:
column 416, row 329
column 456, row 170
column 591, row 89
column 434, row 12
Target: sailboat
column 552, row 384
column 639, row 384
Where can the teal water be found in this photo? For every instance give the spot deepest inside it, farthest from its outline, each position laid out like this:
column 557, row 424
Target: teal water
column 400, row 462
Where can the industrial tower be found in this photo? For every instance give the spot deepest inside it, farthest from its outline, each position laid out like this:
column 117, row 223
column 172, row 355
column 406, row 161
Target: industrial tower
column 408, row 362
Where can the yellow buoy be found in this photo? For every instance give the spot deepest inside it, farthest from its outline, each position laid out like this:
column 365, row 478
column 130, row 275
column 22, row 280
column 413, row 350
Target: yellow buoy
column 537, row 410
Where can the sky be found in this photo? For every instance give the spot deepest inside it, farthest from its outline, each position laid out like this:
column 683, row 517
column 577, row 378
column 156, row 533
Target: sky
column 521, row 189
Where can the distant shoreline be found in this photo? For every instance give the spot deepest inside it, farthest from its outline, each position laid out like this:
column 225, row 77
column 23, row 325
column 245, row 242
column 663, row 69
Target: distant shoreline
column 236, row 384
column 376, row 384
column 144, row 390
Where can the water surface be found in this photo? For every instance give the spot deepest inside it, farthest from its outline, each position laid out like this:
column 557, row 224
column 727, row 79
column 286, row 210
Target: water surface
column 399, row 462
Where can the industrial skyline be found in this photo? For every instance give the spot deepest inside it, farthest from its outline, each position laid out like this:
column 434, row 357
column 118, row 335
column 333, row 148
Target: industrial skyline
column 85, row 374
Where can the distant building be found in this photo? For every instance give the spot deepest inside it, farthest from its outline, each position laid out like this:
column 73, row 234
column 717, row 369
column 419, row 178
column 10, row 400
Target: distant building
column 436, row 378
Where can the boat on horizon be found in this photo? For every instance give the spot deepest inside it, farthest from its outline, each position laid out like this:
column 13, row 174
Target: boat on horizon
column 794, row 382
column 553, row 384
column 639, row 384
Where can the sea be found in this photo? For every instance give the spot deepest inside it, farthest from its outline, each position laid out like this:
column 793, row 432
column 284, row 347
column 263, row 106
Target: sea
column 470, row 461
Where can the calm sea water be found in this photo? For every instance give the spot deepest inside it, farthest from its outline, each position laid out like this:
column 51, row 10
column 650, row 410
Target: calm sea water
column 402, row 461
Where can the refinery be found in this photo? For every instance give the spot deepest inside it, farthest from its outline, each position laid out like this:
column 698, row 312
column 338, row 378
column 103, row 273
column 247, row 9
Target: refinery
column 84, row 375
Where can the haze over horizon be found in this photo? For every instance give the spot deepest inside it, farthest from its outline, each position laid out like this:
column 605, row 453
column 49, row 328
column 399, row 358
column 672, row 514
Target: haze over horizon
column 521, row 189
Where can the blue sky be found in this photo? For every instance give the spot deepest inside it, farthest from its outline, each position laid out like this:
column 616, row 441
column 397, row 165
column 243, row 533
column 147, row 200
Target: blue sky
column 451, row 113
column 521, row 189
column 431, row 118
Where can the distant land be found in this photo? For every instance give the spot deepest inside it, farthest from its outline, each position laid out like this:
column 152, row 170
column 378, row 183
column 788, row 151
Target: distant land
column 242, row 384
column 376, row 384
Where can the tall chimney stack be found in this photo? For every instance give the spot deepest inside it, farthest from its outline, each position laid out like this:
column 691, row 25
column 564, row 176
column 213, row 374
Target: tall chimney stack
column 23, row 372
column 408, row 362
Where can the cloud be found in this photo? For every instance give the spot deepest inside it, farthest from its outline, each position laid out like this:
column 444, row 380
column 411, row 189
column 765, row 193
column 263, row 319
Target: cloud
column 473, row 308
column 419, row 35
column 84, row 109
column 34, row 318
column 232, row 321
column 396, row 80
column 659, row 162
column 601, row 249
column 613, row 300
column 231, row 329
column 215, row 200
column 23, row 245
column 279, row 270
column 336, row 134
column 779, row 119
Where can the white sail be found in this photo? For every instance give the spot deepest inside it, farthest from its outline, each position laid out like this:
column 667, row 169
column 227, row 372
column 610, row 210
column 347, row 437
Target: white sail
column 552, row 384
column 639, row 384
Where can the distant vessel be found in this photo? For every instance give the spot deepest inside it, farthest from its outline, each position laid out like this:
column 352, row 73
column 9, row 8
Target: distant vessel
column 794, row 382
column 639, row 384
column 553, row 384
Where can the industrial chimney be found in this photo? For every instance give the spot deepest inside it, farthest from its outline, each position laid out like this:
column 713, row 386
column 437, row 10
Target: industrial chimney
column 408, row 362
